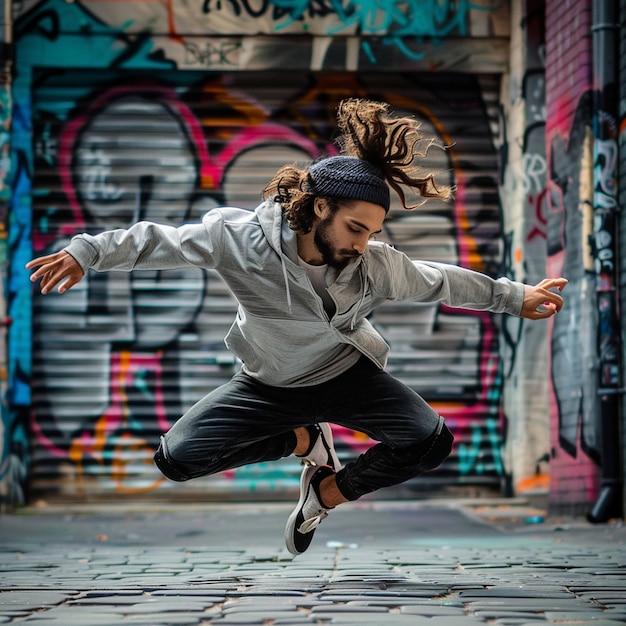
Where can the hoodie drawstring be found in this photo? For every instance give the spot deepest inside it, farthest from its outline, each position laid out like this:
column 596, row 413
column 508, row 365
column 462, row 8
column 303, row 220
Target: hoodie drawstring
column 363, row 277
column 286, row 278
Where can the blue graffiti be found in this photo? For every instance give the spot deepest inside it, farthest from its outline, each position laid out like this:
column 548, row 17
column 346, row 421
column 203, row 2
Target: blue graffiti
column 473, row 458
column 396, row 20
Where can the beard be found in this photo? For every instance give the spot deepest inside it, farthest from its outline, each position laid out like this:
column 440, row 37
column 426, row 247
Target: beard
column 324, row 243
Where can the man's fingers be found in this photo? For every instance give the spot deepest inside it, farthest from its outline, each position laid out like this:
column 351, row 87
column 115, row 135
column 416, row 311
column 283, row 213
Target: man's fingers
column 551, row 283
column 551, row 298
column 55, row 269
column 544, row 310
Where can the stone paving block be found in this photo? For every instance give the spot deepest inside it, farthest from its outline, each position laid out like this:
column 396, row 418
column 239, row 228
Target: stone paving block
column 27, row 600
column 102, row 561
column 319, row 612
column 168, row 606
column 168, row 569
column 397, row 619
column 615, row 614
column 516, row 592
column 210, row 596
column 420, row 606
column 74, row 617
column 431, row 611
column 242, row 606
column 203, row 615
column 263, row 613
column 575, row 616
column 505, row 614
column 529, row 620
column 261, row 618
column 111, row 599
column 374, row 620
column 618, row 572
column 181, row 619
column 604, row 597
column 173, row 619
column 593, row 622
column 305, row 575
column 256, row 592
column 536, row 604
column 600, row 586
column 101, row 593
column 15, row 615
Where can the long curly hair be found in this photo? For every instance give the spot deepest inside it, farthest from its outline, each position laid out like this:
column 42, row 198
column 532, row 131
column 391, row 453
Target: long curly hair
column 367, row 131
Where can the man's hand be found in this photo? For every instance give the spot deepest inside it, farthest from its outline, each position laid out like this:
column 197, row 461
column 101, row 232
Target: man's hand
column 59, row 268
column 540, row 302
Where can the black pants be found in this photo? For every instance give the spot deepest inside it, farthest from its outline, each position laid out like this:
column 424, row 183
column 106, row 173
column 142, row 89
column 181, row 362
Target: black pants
column 245, row 421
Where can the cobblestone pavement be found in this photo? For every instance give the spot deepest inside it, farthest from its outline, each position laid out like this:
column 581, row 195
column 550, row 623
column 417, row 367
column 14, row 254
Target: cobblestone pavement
column 431, row 563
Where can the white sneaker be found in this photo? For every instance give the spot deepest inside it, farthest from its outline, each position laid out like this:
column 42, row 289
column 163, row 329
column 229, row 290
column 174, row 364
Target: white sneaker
column 322, row 451
column 309, row 512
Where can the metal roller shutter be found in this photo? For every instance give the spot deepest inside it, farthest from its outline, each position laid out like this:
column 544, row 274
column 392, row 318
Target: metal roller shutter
column 119, row 358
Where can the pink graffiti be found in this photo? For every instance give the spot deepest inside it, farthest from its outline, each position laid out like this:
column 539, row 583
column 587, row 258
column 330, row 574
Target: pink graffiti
column 538, row 202
column 72, row 130
column 126, row 370
column 126, row 366
column 459, row 415
column 210, row 170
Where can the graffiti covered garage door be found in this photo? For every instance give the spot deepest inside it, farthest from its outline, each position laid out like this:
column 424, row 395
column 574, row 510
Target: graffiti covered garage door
column 120, row 357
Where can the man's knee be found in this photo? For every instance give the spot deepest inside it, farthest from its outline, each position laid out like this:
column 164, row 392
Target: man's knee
column 429, row 453
column 167, row 466
column 438, row 450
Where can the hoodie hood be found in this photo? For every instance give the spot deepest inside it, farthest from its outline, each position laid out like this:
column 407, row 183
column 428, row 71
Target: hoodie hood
column 284, row 241
column 281, row 239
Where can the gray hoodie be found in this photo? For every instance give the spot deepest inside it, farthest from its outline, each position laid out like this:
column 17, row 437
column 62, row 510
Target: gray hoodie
column 281, row 332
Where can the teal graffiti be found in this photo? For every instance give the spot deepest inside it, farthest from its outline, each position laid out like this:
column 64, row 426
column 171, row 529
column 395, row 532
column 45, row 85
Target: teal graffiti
column 397, row 21
column 473, row 458
column 416, row 18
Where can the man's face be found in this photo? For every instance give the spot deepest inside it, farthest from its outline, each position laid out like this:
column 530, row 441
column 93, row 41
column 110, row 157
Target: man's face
column 343, row 235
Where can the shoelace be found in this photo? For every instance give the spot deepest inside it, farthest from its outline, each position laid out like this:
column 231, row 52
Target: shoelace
column 313, row 522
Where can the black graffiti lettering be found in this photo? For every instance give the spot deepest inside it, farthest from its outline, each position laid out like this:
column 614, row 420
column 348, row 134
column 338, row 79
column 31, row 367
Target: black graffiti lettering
column 322, row 8
column 294, row 10
column 210, row 54
column 206, row 6
column 47, row 24
column 258, row 12
column 241, row 6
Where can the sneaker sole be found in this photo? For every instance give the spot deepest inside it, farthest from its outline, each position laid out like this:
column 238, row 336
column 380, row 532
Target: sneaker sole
column 290, row 528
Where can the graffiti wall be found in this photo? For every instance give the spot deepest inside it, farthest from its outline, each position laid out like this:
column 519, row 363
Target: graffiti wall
column 330, row 34
column 13, row 439
column 524, row 192
column 622, row 189
column 574, row 422
column 117, row 127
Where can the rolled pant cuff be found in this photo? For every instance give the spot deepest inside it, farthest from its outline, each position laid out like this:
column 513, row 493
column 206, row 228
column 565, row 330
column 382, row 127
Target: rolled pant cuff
column 344, row 486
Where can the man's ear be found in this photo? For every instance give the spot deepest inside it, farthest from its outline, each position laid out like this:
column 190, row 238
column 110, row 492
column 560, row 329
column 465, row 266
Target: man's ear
column 319, row 207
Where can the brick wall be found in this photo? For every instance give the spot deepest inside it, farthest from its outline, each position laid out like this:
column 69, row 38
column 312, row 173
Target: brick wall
column 575, row 440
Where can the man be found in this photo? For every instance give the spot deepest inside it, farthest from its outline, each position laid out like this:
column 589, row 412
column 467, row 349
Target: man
column 306, row 275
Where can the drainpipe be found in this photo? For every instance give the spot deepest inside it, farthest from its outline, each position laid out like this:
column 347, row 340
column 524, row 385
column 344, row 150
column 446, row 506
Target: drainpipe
column 606, row 229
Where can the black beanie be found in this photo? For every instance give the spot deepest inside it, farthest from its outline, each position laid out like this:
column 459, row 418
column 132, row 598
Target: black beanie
column 349, row 177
